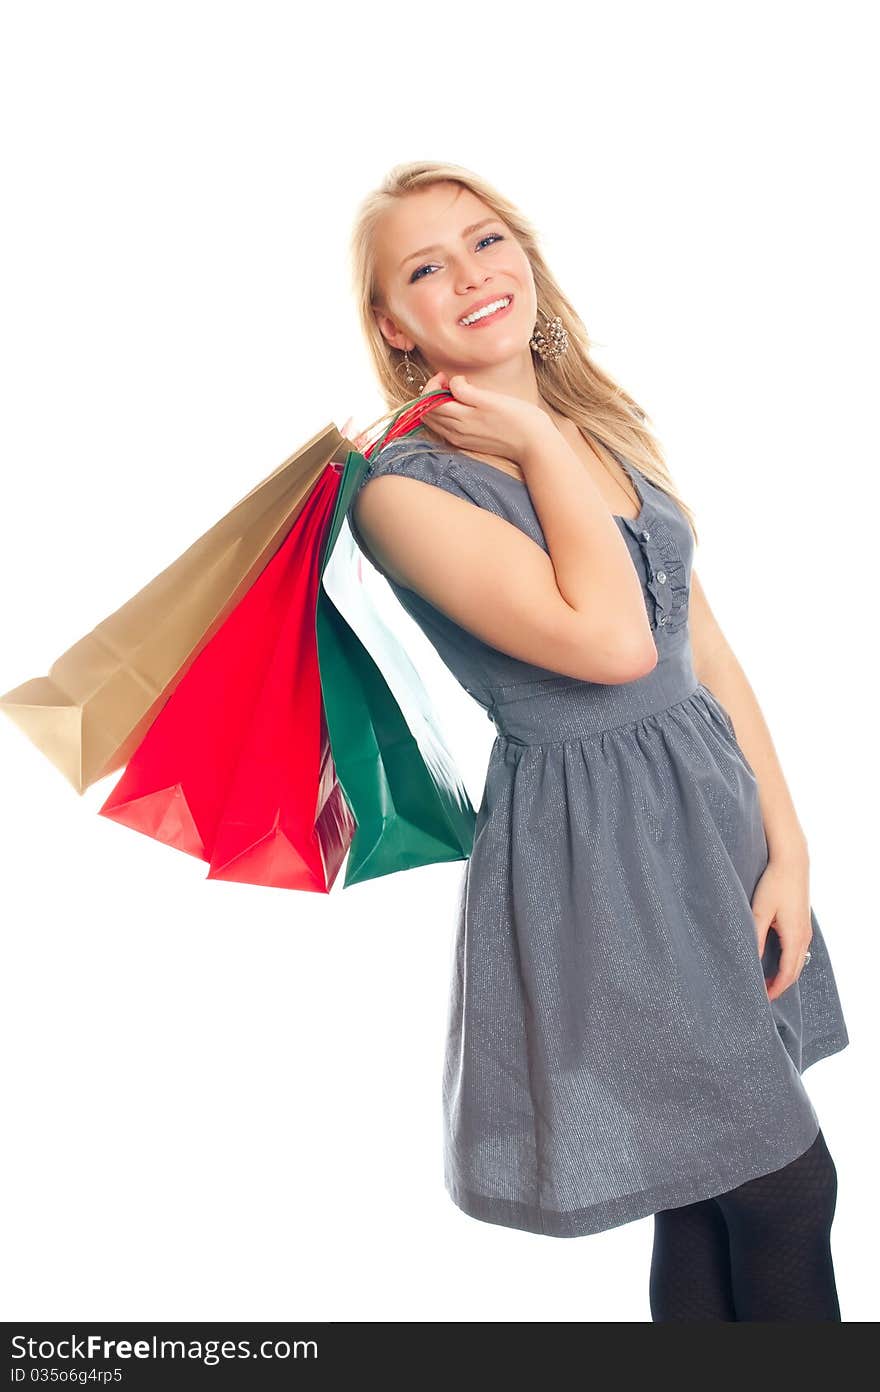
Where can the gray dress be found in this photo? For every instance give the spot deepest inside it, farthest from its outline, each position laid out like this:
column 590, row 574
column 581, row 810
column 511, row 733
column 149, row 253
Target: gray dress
column 611, row 1050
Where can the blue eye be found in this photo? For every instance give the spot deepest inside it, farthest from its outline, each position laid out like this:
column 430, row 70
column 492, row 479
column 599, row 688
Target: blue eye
column 490, row 237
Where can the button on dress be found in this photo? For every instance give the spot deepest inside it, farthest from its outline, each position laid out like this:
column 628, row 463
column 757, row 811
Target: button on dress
column 611, row 1050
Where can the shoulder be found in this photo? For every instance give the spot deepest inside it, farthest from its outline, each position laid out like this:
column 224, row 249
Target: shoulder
column 415, row 456
column 412, row 455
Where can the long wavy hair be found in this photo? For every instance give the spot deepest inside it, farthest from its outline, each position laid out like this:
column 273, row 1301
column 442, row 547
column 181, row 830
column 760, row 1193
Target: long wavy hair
column 572, row 384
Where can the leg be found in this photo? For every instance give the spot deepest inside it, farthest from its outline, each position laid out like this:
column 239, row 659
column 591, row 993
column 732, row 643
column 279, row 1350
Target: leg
column 690, row 1265
column 780, row 1240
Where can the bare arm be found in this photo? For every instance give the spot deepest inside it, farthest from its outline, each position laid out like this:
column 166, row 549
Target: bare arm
column 592, row 566
column 717, row 668
column 579, row 611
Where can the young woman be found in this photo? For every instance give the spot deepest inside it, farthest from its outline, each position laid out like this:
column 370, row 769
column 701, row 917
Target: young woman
column 639, row 977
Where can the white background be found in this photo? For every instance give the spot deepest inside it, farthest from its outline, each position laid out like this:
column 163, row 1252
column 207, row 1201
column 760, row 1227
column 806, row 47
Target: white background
column 223, row 1101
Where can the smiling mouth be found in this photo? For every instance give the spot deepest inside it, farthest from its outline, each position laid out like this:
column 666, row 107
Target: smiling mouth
column 502, row 305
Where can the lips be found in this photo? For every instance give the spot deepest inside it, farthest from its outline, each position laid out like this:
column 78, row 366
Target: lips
column 481, row 304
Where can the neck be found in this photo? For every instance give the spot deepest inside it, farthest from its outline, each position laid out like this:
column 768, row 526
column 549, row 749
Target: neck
column 515, row 377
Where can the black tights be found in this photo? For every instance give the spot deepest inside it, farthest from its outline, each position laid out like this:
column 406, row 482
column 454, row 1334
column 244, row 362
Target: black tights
column 760, row 1252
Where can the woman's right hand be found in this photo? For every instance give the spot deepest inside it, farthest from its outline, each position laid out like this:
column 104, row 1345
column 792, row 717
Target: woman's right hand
column 482, row 420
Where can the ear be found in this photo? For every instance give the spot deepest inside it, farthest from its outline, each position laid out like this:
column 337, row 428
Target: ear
column 390, row 332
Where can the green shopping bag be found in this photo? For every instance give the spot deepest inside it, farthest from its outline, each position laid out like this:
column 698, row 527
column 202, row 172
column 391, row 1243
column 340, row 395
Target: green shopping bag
column 395, row 770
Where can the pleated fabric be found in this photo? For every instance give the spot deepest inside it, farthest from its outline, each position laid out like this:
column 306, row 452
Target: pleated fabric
column 610, row 1047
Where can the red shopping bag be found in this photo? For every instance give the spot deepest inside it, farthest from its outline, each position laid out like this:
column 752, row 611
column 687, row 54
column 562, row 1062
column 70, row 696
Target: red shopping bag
column 236, row 768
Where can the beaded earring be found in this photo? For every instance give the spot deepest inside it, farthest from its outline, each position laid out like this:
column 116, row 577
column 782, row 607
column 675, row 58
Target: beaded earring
column 409, row 375
column 552, row 344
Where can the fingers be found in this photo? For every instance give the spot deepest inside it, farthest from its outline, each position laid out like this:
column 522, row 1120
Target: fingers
column 762, row 928
column 763, row 912
column 774, row 906
column 446, row 416
column 791, row 964
column 439, row 382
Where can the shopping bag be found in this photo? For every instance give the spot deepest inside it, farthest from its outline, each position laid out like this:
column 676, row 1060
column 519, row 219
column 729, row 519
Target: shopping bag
column 233, row 764
column 91, row 711
column 409, row 801
column 236, row 768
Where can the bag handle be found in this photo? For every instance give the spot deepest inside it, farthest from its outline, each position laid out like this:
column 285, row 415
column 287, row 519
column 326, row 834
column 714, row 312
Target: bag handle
column 408, row 417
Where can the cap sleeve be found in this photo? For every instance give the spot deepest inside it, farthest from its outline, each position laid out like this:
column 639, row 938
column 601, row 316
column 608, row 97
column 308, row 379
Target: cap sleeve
column 419, row 459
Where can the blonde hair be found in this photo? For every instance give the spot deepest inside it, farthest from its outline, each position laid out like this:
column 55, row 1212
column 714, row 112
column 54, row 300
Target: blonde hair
column 572, row 384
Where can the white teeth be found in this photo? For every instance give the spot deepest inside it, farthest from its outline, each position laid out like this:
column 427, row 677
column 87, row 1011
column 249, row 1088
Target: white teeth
column 485, row 311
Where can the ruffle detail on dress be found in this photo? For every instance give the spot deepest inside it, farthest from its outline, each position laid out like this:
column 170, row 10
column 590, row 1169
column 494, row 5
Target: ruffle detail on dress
column 665, row 571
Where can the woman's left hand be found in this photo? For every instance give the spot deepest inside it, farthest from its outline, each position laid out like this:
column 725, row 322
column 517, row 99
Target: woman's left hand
column 782, row 901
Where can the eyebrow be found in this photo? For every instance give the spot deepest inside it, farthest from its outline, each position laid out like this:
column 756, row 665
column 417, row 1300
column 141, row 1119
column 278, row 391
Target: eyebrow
column 466, row 232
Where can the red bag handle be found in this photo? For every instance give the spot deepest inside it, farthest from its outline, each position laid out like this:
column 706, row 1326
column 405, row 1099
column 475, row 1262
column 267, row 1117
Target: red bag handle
column 408, row 417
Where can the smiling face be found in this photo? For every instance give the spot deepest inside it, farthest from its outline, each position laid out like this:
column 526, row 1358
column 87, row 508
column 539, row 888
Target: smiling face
column 434, row 265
